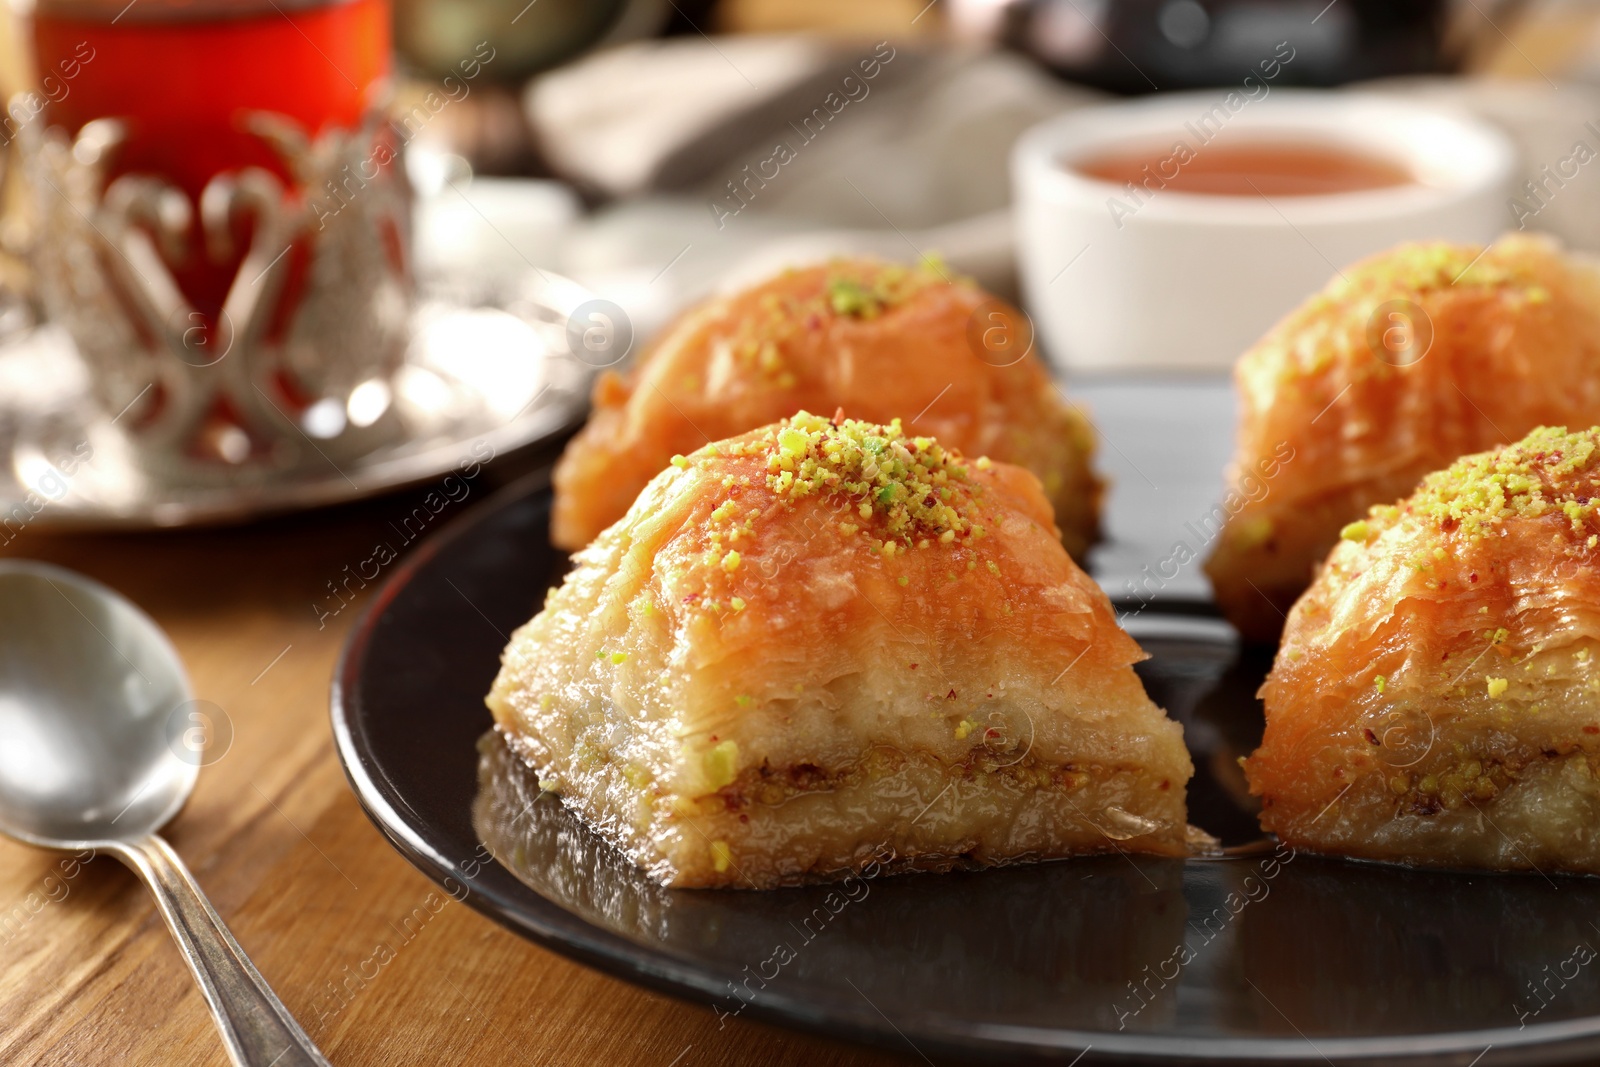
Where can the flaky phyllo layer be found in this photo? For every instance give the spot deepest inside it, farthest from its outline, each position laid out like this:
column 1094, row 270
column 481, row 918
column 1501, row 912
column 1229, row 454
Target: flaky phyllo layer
column 1436, row 698
column 1402, row 364
column 880, row 339
column 827, row 638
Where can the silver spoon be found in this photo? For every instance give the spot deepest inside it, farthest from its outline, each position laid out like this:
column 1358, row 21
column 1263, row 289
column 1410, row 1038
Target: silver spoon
column 93, row 706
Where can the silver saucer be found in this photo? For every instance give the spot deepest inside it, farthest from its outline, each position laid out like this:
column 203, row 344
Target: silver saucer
column 488, row 370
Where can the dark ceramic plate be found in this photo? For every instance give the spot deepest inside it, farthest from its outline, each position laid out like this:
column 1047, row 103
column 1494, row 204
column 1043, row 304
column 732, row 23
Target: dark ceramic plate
column 1263, row 956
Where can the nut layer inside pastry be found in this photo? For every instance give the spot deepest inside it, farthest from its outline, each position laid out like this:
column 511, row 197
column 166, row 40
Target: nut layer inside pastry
column 912, row 811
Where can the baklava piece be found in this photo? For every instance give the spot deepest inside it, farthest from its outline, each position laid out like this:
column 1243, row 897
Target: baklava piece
column 1436, row 699
column 827, row 643
column 1400, row 366
column 881, row 340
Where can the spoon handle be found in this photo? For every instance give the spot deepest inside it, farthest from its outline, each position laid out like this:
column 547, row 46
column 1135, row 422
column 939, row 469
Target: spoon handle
column 255, row 1026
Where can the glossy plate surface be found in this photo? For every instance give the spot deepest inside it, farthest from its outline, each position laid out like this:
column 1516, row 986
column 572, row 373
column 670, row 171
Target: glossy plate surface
column 1263, row 956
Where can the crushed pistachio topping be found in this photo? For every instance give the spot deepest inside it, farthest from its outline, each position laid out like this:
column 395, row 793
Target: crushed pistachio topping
column 849, row 297
column 1430, row 265
column 761, row 338
column 864, row 294
column 916, row 485
column 1550, row 471
column 1497, row 687
column 897, row 492
column 721, row 856
column 1333, row 326
column 1356, row 531
column 1546, row 471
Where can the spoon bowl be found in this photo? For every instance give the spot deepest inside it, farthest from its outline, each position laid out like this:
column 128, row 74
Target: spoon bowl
column 97, row 731
column 88, row 684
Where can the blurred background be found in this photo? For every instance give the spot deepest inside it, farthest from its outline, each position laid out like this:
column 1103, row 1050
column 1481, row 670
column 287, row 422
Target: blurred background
column 607, row 139
column 573, row 174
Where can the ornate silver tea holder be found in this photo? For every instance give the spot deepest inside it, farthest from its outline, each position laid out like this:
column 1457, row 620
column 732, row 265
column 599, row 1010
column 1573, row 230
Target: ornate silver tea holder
column 481, row 376
column 330, row 373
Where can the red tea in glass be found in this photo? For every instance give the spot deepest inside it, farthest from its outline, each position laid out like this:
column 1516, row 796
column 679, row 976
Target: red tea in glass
column 182, row 74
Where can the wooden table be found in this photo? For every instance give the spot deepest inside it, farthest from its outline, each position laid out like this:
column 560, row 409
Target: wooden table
column 88, row 973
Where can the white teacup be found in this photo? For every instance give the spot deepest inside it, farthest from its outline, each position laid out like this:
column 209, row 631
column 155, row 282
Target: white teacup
column 1168, row 279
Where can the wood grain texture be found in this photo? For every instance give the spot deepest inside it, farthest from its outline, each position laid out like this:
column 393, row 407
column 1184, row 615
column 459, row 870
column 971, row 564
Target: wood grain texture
column 379, row 966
